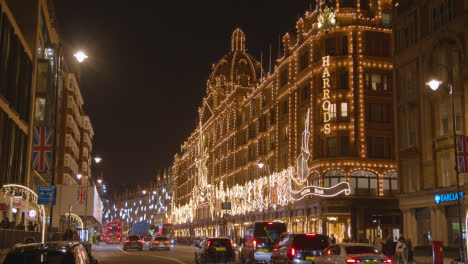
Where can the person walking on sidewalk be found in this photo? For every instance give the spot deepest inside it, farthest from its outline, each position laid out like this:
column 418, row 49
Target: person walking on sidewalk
column 400, row 252
column 378, row 243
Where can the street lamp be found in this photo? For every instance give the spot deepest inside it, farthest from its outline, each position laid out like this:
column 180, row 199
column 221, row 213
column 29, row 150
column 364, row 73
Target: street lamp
column 434, row 85
column 154, row 192
column 143, row 192
column 78, row 176
column 80, row 56
column 99, row 181
column 97, row 159
column 260, row 165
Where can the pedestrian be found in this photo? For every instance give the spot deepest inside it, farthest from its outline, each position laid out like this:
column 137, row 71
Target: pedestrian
column 409, row 245
column 378, row 243
column 400, row 250
column 333, row 239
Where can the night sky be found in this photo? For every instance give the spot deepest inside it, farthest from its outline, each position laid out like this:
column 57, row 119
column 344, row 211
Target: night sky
column 148, row 64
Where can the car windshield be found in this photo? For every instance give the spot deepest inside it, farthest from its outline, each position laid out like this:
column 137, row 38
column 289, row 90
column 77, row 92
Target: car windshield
column 268, row 232
column 39, row 258
column 133, row 238
column 160, row 238
column 361, row 250
column 313, row 241
column 220, row 243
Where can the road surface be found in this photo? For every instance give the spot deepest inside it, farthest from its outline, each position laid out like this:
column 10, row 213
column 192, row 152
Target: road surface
column 109, row 254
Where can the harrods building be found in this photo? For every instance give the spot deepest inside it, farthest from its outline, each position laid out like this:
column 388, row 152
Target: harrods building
column 338, row 64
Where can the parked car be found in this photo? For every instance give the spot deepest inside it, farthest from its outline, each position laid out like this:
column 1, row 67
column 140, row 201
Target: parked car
column 133, row 242
column 352, row 253
column 160, row 242
column 258, row 241
column 215, row 250
column 63, row 252
column 298, row 248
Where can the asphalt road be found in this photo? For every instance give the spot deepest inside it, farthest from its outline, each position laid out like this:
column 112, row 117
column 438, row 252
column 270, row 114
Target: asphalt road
column 109, row 254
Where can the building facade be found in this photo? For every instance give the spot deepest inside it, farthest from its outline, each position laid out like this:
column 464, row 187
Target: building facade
column 28, row 45
column 430, row 43
column 322, row 117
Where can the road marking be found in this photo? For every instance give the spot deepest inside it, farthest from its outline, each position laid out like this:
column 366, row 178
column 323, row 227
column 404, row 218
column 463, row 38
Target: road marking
column 173, row 259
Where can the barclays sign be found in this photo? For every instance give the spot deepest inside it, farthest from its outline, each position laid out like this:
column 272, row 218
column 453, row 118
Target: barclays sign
column 448, row 197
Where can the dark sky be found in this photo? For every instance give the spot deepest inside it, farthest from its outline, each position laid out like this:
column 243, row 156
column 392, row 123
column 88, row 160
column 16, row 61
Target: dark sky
column 148, row 64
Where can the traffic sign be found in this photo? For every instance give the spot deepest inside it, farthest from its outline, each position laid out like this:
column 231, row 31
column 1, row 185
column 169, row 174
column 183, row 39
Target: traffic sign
column 47, row 195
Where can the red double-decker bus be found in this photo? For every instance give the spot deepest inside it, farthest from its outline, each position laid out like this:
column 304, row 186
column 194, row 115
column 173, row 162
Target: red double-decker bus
column 114, row 233
column 166, row 229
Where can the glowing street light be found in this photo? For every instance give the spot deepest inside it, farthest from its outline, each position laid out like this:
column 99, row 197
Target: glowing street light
column 260, row 165
column 154, row 192
column 434, row 84
column 143, row 192
column 99, row 181
column 97, row 159
column 79, row 175
column 80, row 56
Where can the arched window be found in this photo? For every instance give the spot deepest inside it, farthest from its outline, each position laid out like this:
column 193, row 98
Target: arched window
column 333, row 177
column 364, row 182
column 314, row 178
column 390, row 183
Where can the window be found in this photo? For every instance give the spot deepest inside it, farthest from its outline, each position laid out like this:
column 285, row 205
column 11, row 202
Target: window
column 254, row 107
column 304, row 60
column 344, row 112
column 344, row 45
column 305, row 94
column 284, row 134
column 272, row 140
column 244, row 115
column 284, row 107
column 344, row 146
column 263, row 99
column 331, row 146
column 386, row 20
column 330, row 45
column 40, row 109
column 443, row 119
column 347, row 4
column 272, row 116
column 332, row 110
column 445, row 170
column 458, row 116
column 283, row 78
column 343, row 80
column 379, row 147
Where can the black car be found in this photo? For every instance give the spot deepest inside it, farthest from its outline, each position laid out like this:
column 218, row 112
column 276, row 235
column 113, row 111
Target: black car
column 215, row 250
column 258, row 241
column 49, row 252
column 299, row 248
column 133, row 242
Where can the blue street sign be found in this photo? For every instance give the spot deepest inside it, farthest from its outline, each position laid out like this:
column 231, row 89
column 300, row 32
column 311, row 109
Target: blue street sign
column 47, row 195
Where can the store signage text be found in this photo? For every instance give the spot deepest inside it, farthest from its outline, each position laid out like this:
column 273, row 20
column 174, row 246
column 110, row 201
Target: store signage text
column 321, row 191
column 326, row 94
column 448, row 197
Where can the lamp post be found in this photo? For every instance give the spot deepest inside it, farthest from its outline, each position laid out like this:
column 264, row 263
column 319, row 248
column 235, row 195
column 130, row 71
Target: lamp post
column 262, row 165
column 434, row 84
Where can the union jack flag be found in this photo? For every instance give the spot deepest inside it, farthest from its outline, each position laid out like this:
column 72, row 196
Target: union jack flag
column 42, row 148
column 462, row 151
column 81, row 194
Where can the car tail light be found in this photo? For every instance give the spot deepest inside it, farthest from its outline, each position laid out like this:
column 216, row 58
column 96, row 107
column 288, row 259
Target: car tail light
column 310, row 234
column 167, row 241
column 389, row 260
column 230, row 241
column 140, row 241
column 255, row 244
column 127, row 241
column 270, row 223
column 352, row 260
column 209, row 243
column 292, row 253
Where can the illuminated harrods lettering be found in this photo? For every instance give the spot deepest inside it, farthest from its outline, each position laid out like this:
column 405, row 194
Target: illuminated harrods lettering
column 326, row 94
